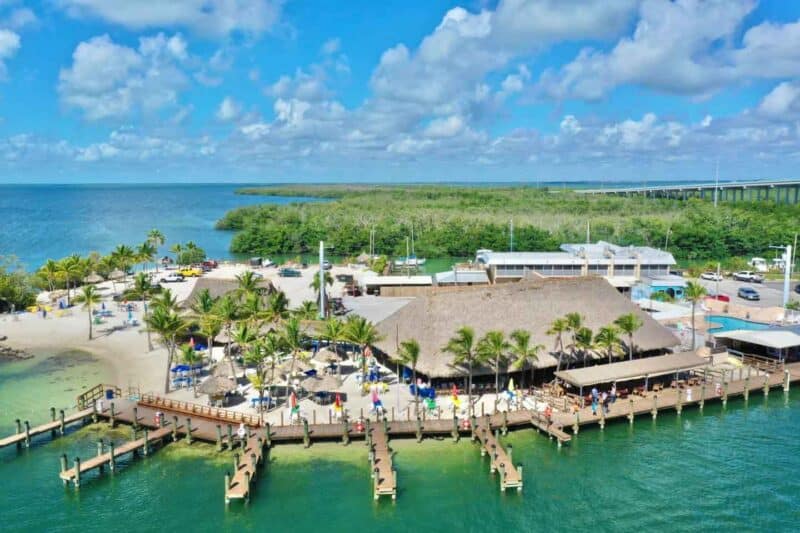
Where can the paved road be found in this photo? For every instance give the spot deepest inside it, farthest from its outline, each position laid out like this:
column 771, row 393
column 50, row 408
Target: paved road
column 771, row 292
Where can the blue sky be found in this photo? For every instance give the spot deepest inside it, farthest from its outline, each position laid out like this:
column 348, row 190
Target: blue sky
column 271, row 90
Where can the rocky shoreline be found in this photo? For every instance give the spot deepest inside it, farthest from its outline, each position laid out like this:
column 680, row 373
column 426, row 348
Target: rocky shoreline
column 12, row 354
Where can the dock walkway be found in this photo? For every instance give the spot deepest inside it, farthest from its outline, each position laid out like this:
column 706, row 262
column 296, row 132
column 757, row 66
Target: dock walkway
column 245, row 469
column 499, row 458
column 384, row 476
column 75, row 473
column 24, row 436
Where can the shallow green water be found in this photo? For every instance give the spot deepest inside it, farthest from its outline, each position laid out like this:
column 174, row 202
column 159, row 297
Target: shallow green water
column 733, row 468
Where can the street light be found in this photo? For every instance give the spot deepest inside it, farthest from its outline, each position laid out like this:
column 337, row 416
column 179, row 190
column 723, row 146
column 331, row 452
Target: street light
column 787, row 270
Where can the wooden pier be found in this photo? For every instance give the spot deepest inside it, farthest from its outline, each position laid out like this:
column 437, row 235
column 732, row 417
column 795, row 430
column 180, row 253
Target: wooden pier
column 499, row 458
column 554, row 430
column 73, row 475
column 56, row 427
column 383, row 473
column 245, row 468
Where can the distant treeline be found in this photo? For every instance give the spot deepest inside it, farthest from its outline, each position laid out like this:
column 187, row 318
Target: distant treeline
column 457, row 220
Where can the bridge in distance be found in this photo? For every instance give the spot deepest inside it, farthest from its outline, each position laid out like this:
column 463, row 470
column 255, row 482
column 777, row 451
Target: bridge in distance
column 779, row 191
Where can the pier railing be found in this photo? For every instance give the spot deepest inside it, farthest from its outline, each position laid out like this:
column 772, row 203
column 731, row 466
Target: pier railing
column 759, row 362
column 86, row 398
column 205, row 411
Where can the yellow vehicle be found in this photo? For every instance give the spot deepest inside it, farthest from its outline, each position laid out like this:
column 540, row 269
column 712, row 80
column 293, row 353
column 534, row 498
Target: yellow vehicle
column 190, row 272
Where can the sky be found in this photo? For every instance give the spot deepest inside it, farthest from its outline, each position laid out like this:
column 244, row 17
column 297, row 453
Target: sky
column 114, row 91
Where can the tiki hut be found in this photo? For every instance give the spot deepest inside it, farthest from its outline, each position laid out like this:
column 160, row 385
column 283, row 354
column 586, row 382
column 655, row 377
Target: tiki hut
column 433, row 318
column 217, row 387
column 321, row 384
column 93, row 278
column 219, row 287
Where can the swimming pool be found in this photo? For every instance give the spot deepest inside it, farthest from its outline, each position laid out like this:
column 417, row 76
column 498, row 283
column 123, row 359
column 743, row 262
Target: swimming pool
column 729, row 323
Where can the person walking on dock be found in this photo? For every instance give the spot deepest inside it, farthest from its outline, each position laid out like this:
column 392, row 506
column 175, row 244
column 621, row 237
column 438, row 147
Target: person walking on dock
column 595, row 398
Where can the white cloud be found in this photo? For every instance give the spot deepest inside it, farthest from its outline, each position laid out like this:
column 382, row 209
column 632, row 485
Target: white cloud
column 107, row 80
column 445, row 127
column 783, row 102
column 682, row 47
column 228, row 109
column 331, row 46
column 215, row 18
column 309, row 86
column 19, row 19
column 9, row 45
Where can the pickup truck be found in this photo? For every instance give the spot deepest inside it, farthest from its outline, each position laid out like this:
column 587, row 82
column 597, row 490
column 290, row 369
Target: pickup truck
column 172, row 277
column 748, row 276
column 289, row 273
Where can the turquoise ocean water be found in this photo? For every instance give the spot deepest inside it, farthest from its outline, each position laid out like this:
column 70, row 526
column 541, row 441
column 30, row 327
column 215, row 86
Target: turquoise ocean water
column 38, row 222
column 735, row 468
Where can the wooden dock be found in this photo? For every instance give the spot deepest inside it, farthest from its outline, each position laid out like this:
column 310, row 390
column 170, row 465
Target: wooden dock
column 554, row 430
column 383, row 473
column 73, row 475
column 57, row 426
column 245, row 469
column 499, row 459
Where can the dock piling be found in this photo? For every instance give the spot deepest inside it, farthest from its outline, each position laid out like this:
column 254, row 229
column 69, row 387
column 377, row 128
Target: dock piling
column 64, row 465
column 679, row 402
column 268, row 434
column 786, row 380
column 100, row 451
column 53, row 419
column 230, row 436
column 146, row 445
column 62, row 424
column 724, row 393
column 345, row 430
column 576, row 426
column 175, row 428
column 219, row 438
column 455, row 426
column 766, row 384
column 77, row 473
column 306, row 437
column 602, row 417
column 135, row 417
column 112, row 463
column 747, row 387
column 631, row 416
column 654, row 411
column 419, row 429
column 703, row 395
column 27, row 434
column 505, row 422
column 94, row 412
column 112, row 414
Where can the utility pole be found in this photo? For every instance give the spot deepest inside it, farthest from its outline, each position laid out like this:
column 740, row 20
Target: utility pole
column 787, row 274
column 321, row 280
column 716, row 184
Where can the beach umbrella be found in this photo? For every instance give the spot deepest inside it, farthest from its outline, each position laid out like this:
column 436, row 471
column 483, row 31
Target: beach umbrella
column 337, row 404
column 116, row 274
column 511, row 385
column 93, row 278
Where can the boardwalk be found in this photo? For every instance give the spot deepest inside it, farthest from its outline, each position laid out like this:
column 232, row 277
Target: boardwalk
column 245, row 469
column 74, row 474
column 499, row 458
column 56, row 426
column 384, row 476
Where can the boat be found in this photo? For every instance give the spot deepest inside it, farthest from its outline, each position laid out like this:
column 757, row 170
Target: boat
column 410, row 261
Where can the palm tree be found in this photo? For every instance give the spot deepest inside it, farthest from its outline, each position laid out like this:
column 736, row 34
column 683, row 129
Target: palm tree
column 277, row 307
column 203, row 305
column 89, row 297
column 409, row 356
column 363, row 333
column 628, row 324
column 252, row 308
column 694, row 293
column 124, row 257
column 574, row 324
column 70, row 268
column 168, row 325
column 306, row 311
column 166, row 300
column 157, row 239
column 190, row 357
column 248, row 284
column 584, row 342
column 263, row 356
column 558, row 328
column 334, row 332
column 176, row 249
column 227, row 312
column 145, row 253
column 142, row 290
column 523, row 352
column 50, row 271
column 462, row 346
column 244, row 335
column 608, row 339
column 315, row 282
column 494, row 347
column 292, row 338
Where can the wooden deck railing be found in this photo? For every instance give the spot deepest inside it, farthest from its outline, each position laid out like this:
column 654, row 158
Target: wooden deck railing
column 204, row 411
column 759, row 362
column 86, row 398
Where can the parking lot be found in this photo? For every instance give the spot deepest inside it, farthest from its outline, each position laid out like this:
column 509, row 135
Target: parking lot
column 771, row 292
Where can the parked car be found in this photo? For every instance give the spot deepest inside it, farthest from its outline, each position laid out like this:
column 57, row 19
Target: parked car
column 797, row 288
column 711, row 276
column 289, row 273
column 748, row 276
column 210, row 263
column 172, row 277
column 720, row 297
column 748, row 293
column 191, row 272
column 344, row 278
column 326, row 265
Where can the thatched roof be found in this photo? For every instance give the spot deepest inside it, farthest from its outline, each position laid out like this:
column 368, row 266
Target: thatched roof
column 216, row 385
column 323, row 384
column 325, row 355
column 432, row 319
column 218, row 287
column 636, row 369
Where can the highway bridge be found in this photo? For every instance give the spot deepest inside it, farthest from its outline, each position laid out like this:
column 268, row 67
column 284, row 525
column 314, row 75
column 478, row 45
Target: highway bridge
column 783, row 191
